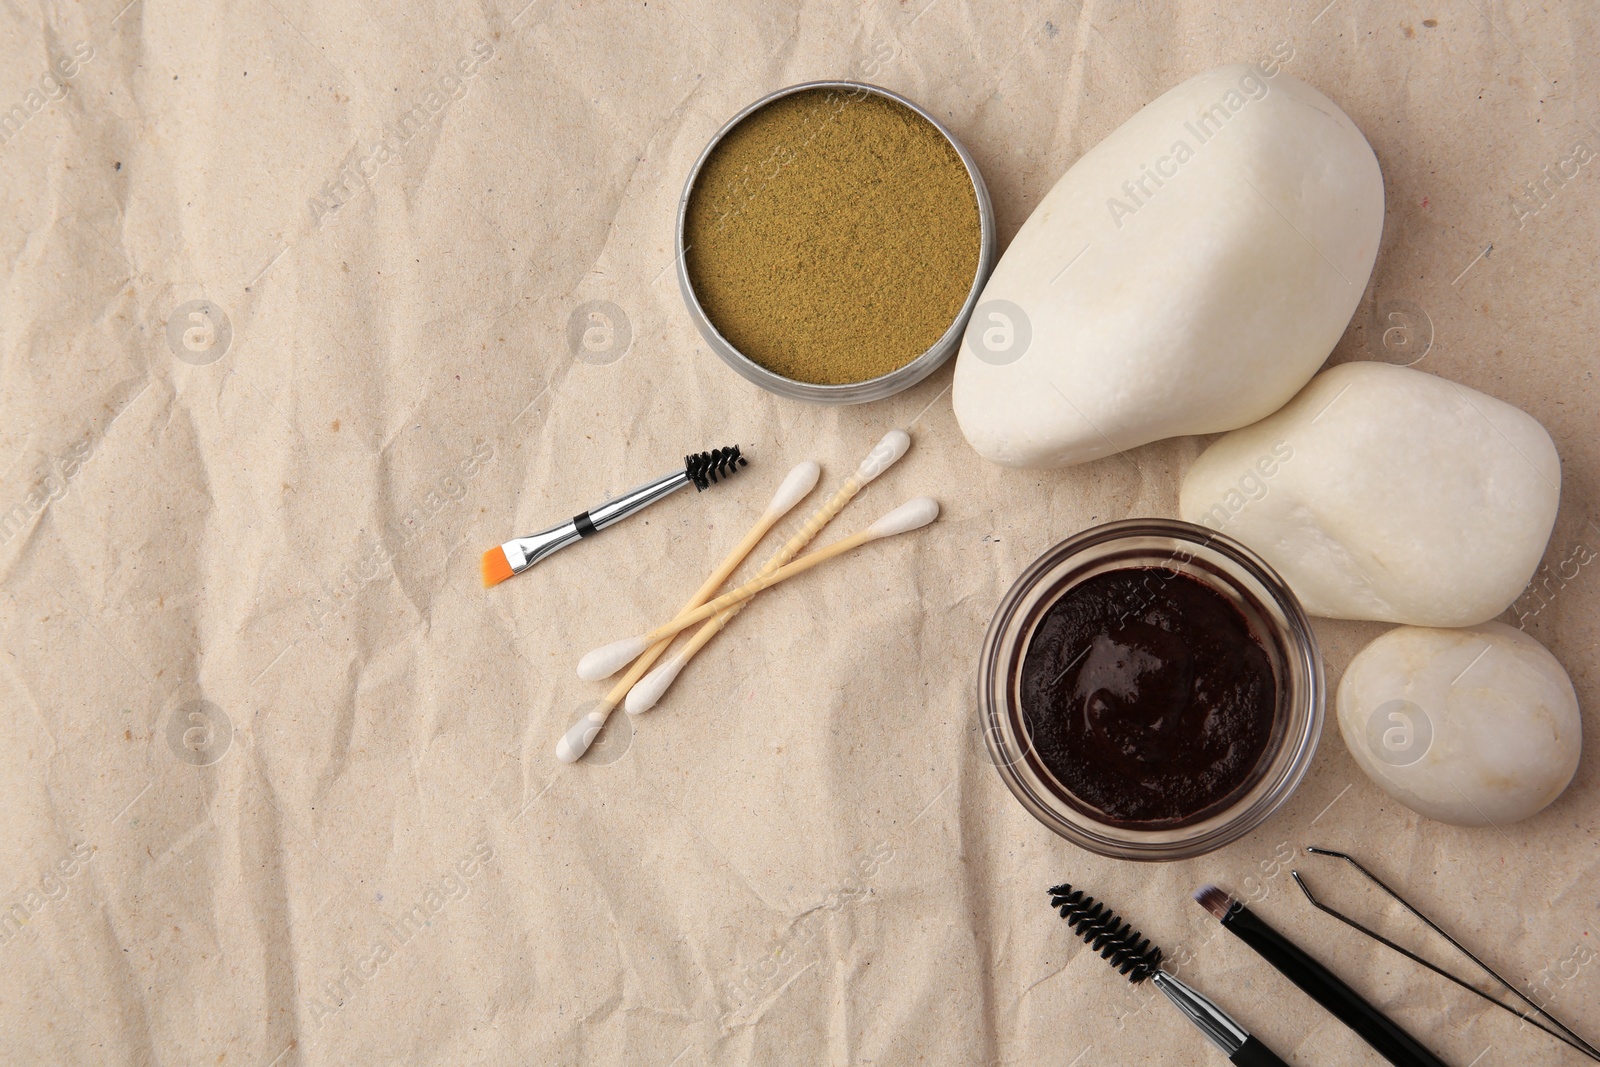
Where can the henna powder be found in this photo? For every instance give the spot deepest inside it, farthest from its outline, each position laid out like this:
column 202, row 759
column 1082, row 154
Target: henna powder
column 833, row 236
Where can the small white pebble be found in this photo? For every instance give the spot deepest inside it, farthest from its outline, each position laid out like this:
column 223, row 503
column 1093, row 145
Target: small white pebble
column 1473, row 727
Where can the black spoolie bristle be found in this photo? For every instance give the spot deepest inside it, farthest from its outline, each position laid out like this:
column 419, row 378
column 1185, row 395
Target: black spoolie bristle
column 1117, row 942
column 703, row 468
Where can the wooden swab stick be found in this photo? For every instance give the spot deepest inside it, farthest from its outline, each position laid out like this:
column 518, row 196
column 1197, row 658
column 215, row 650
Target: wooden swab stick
column 649, row 690
column 800, row 481
column 608, row 659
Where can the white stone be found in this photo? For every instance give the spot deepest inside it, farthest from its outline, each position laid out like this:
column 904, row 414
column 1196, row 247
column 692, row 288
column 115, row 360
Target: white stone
column 1187, row 275
column 1386, row 493
column 1472, row 727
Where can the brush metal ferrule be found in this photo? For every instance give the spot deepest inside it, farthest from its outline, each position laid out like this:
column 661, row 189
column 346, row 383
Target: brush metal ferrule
column 1215, row 1023
column 524, row 552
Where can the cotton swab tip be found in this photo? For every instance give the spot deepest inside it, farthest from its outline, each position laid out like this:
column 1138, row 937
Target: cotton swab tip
column 607, row 660
column 577, row 740
column 912, row 515
column 649, row 690
column 883, row 455
column 496, row 568
column 800, row 481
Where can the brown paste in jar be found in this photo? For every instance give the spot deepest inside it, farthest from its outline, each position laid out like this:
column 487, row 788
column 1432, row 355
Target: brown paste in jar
column 1148, row 697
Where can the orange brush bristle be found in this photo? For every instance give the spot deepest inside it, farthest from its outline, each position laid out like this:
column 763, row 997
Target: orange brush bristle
column 496, row 568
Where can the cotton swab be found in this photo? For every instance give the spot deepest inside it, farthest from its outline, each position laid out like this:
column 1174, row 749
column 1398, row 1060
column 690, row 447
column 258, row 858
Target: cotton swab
column 649, row 690
column 608, row 659
column 799, row 482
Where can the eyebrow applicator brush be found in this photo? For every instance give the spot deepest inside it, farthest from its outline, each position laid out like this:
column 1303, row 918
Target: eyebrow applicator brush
column 1319, row 983
column 520, row 553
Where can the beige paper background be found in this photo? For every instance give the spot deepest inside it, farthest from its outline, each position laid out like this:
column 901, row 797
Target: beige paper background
column 802, row 856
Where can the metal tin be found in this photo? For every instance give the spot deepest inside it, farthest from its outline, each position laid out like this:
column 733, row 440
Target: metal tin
column 873, row 388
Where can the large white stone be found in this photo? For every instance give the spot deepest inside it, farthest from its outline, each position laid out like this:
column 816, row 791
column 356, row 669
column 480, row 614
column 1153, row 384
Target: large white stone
column 1187, row 275
column 1471, row 727
column 1387, row 493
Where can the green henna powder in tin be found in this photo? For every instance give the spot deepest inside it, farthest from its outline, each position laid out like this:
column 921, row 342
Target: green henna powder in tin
column 832, row 236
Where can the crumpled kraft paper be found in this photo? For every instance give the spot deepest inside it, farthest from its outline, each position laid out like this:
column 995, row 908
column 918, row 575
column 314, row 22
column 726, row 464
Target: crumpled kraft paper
column 305, row 306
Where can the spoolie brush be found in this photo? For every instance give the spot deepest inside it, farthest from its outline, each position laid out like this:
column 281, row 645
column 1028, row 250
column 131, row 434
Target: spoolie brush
column 1134, row 957
column 701, row 470
column 1117, row 942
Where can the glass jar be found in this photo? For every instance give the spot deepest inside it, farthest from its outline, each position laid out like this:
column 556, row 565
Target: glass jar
column 1276, row 620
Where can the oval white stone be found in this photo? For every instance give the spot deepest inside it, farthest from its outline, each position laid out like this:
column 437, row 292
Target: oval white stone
column 1389, row 494
column 1187, row 275
column 1471, row 727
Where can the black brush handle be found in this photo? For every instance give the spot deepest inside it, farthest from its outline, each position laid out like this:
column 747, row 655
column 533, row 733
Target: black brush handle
column 1254, row 1054
column 1324, row 987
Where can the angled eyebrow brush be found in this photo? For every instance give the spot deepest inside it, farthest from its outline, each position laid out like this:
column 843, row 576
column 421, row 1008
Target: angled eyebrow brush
column 1320, row 984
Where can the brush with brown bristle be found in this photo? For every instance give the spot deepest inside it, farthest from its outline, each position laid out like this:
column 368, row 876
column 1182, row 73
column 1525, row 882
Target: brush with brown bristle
column 1319, row 983
column 701, row 470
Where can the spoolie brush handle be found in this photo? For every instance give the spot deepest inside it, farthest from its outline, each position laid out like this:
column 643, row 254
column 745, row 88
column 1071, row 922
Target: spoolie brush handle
column 1254, row 1054
column 1219, row 1027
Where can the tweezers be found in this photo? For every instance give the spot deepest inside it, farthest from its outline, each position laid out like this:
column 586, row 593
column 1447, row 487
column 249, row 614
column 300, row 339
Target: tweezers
column 1568, row 1035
